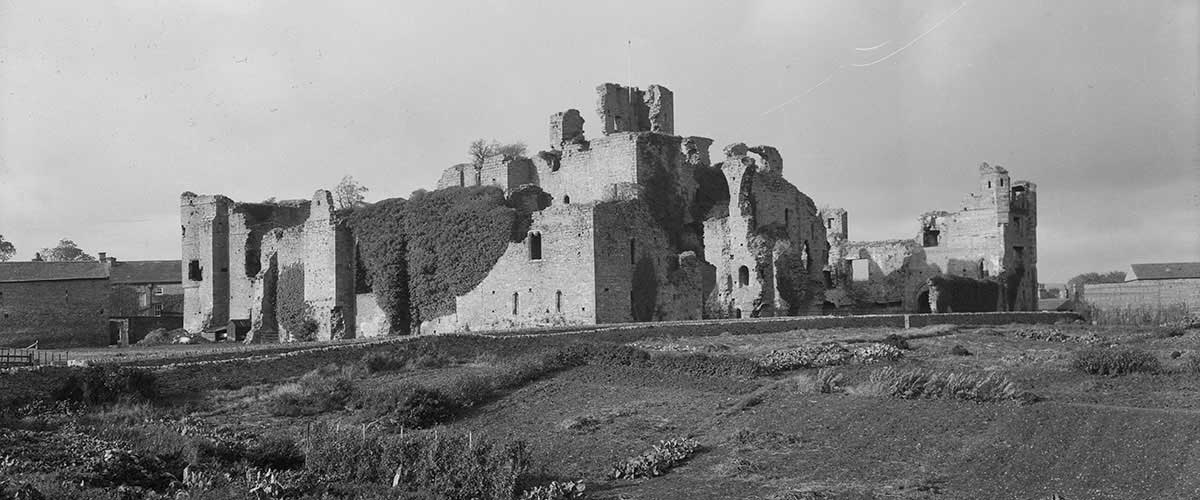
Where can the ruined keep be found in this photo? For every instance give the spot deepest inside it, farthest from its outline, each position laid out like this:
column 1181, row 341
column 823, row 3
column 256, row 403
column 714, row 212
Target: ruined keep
column 635, row 225
column 982, row 257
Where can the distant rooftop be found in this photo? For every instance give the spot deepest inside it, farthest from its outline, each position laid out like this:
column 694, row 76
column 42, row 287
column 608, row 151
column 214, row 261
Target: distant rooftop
column 51, row 271
column 1172, row 270
column 135, row 271
column 147, row 271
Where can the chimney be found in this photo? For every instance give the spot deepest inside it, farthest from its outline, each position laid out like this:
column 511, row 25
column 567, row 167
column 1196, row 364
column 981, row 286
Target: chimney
column 103, row 257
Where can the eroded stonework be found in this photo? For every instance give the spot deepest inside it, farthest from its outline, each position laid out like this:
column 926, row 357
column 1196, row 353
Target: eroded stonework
column 989, row 246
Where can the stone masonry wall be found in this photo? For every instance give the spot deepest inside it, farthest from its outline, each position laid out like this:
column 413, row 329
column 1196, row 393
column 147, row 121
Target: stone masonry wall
column 587, row 172
column 205, row 241
column 67, row 313
column 558, row 288
column 639, row 274
column 1151, row 294
column 248, row 223
column 328, row 271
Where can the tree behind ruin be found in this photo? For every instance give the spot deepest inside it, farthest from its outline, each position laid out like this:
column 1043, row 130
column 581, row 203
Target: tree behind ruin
column 65, row 251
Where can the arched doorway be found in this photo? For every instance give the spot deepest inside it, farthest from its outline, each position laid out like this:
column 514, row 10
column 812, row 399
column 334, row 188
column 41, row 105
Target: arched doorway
column 923, row 302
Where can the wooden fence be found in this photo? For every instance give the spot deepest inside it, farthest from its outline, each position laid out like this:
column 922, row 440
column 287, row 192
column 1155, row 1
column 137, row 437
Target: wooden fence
column 10, row 357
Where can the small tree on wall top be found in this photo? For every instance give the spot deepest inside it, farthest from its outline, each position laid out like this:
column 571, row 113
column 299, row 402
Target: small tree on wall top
column 480, row 150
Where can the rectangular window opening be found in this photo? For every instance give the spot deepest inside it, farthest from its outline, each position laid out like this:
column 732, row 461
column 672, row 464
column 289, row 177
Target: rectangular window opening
column 194, row 273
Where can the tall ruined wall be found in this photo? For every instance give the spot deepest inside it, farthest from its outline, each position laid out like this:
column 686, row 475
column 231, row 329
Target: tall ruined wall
column 67, row 313
column 248, row 223
column 558, row 287
column 328, row 271
column 769, row 246
column 205, row 262
column 640, row 275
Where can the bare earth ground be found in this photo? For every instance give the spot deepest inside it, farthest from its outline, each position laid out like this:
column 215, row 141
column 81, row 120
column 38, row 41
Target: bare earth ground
column 765, row 437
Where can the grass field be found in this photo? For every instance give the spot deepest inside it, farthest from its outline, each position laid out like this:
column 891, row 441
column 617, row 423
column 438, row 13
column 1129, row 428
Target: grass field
column 981, row 412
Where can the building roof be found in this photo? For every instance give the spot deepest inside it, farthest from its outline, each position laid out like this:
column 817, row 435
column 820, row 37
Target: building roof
column 134, row 271
column 147, row 271
column 1166, row 271
column 52, row 271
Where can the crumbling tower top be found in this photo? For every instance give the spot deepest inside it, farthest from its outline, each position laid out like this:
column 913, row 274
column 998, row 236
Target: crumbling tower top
column 629, row 109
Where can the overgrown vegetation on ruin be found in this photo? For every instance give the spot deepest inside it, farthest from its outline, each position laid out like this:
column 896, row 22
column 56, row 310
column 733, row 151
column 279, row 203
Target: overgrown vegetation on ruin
column 295, row 315
column 423, row 252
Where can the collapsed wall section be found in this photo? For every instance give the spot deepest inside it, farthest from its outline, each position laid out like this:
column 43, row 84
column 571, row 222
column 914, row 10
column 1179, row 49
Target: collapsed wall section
column 768, row 244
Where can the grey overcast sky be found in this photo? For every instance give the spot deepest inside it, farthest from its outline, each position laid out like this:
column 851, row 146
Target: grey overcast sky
column 110, row 109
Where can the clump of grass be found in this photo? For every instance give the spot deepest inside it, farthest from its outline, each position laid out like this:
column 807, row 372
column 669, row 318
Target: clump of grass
column 663, row 457
column 771, row 440
column 937, row 384
column 1115, row 361
column 325, row 389
column 828, row 381
column 453, row 466
column 1192, row 364
column 959, row 350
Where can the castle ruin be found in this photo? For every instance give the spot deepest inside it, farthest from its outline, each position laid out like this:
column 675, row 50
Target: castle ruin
column 638, row 224
column 982, row 257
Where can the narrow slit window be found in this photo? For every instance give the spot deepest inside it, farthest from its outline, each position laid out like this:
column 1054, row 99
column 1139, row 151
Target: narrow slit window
column 516, row 303
column 558, row 301
column 535, row 246
column 632, row 253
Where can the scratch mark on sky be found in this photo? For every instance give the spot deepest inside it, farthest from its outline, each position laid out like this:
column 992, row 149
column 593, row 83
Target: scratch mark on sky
column 866, row 49
column 914, row 40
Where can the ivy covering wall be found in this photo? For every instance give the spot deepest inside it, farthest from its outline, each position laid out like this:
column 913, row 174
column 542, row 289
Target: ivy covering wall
column 422, row 253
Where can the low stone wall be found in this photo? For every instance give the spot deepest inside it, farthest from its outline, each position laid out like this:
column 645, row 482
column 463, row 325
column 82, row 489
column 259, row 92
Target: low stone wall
column 783, row 324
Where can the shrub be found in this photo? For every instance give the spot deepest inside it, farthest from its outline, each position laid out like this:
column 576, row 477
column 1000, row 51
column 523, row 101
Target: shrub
column 276, row 452
column 1115, row 361
column 929, row 384
column 896, row 341
column 108, row 384
column 425, row 407
column 376, row 362
column 959, row 350
column 566, row 490
column 328, row 388
column 663, row 457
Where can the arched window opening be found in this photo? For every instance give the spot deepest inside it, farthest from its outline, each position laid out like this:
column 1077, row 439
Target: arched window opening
column 737, row 313
column 558, row 301
column 535, row 246
column 806, row 257
column 743, row 276
column 516, row 302
column 567, row 199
